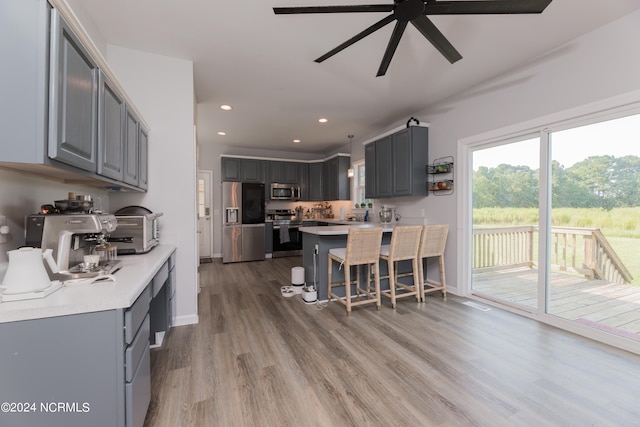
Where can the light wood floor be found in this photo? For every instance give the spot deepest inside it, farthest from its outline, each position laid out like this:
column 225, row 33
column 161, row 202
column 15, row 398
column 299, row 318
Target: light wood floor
column 258, row 359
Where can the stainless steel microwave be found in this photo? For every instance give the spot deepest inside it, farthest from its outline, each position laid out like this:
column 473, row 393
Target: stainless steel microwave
column 285, row 191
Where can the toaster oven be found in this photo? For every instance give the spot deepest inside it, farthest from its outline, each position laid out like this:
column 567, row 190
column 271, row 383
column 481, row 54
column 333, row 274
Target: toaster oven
column 136, row 234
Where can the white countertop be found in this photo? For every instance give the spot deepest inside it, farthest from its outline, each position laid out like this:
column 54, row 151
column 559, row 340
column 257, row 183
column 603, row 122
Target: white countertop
column 337, row 230
column 135, row 274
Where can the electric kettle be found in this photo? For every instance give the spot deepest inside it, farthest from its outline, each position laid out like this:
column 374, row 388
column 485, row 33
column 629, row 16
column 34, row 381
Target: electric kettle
column 26, row 272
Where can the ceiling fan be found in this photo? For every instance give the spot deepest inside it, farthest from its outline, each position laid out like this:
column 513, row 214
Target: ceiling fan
column 416, row 11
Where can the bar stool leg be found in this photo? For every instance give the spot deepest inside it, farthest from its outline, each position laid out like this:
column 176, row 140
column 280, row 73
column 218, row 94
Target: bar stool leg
column 376, row 280
column 329, row 279
column 347, row 288
column 444, row 286
column 417, row 284
column 392, row 282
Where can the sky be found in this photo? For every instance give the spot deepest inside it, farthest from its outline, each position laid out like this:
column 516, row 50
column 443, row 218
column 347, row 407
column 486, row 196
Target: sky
column 619, row 137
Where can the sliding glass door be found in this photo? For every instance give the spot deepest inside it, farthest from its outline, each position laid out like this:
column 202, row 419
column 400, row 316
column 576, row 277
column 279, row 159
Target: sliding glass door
column 556, row 224
column 505, row 222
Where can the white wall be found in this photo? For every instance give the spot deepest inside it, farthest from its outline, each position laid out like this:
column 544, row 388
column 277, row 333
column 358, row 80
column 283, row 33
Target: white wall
column 162, row 89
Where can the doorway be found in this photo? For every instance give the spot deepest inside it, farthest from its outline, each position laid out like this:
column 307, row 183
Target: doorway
column 205, row 227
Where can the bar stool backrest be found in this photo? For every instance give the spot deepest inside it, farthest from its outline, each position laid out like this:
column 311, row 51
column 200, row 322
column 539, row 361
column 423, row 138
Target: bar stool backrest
column 405, row 240
column 434, row 240
column 363, row 245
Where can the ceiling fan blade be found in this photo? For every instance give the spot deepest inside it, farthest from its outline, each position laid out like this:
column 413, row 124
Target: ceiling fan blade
column 356, row 38
column 437, row 39
column 480, row 7
column 334, row 9
column 391, row 47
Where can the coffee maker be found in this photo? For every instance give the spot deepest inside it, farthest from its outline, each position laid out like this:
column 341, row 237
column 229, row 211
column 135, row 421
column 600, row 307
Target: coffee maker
column 71, row 237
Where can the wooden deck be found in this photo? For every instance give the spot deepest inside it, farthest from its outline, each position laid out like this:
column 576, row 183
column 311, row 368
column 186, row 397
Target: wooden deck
column 610, row 307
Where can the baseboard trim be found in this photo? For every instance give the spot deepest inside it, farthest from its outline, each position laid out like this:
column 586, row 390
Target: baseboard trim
column 190, row 319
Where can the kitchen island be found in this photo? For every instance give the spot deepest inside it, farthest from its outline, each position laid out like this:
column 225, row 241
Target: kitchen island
column 329, row 237
column 80, row 356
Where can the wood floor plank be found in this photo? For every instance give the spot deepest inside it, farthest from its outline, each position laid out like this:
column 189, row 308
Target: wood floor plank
column 259, row 359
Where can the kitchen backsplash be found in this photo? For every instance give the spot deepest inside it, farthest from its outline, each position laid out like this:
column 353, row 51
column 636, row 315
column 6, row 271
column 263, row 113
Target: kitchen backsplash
column 24, row 194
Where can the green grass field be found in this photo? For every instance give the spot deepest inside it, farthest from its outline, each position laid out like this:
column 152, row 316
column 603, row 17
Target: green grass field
column 621, row 226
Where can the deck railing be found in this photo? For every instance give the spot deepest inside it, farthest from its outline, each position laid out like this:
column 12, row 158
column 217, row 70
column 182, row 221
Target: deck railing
column 585, row 251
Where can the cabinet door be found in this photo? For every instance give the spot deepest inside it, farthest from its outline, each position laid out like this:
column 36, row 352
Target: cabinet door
column 111, row 126
column 383, row 167
column 230, row 169
column 303, row 180
column 343, row 182
column 290, row 172
column 131, row 165
column 276, row 172
column 402, row 169
column 143, row 141
column 73, row 104
column 252, row 170
column 315, row 182
column 370, row 171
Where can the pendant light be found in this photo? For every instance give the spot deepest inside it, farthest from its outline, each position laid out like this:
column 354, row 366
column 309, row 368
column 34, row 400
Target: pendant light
column 350, row 171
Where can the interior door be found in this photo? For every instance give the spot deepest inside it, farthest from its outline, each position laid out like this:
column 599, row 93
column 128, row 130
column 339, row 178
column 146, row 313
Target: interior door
column 205, row 228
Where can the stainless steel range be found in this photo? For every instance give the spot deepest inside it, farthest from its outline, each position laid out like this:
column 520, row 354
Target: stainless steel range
column 287, row 237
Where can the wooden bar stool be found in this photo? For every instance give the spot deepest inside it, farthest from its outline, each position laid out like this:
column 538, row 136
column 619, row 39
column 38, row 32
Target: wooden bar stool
column 404, row 246
column 432, row 244
column 363, row 248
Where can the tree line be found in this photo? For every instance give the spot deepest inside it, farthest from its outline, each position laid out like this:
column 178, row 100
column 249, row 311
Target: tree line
column 598, row 181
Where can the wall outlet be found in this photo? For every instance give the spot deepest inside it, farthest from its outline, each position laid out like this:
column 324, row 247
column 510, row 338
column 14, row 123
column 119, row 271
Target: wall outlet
column 316, row 250
column 5, row 230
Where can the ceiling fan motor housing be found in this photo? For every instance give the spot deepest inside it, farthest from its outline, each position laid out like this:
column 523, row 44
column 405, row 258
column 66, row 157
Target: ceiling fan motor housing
column 408, row 10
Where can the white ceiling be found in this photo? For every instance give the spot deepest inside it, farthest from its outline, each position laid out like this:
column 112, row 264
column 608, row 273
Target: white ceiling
column 262, row 64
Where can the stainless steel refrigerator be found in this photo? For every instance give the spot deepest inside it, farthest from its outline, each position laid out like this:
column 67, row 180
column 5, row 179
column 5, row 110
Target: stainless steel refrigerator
column 243, row 222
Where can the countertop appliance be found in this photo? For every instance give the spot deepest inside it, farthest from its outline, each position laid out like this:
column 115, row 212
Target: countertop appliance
column 287, row 237
column 71, row 237
column 137, row 232
column 285, row 191
column 243, row 236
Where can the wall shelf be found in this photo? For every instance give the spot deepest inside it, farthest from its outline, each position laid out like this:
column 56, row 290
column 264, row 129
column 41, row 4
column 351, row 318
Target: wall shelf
column 440, row 176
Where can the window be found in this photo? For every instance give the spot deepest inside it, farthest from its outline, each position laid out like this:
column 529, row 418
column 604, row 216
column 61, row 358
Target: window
column 359, row 183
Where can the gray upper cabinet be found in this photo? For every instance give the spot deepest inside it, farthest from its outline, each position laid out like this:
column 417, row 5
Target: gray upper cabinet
column 66, row 118
column 143, row 142
column 316, row 182
column 395, row 164
column 283, row 172
column 251, row 170
column 111, row 127
column 231, row 169
column 73, row 105
column 382, row 170
column 303, row 180
column 243, row 170
column 132, row 147
column 370, row 176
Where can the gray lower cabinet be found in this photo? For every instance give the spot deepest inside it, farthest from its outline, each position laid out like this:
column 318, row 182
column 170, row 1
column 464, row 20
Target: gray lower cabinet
column 160, row 309
column 395, row 165
column 96, row 365
column 111, row 127
column 73, row 114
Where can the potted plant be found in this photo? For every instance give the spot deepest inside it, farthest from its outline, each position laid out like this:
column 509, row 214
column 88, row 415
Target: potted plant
column 370, row 205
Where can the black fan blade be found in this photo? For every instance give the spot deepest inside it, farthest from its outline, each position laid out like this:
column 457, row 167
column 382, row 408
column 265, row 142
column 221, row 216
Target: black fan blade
column 480, row 7
column 437, row 39
column 391, row 47
column 357, row 37
column 334, row 9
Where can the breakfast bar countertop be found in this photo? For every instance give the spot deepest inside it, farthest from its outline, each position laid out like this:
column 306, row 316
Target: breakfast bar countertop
column 132, row 278
column 337, row 230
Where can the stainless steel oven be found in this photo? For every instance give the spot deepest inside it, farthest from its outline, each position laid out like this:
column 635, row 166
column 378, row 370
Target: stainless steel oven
column 287, row 238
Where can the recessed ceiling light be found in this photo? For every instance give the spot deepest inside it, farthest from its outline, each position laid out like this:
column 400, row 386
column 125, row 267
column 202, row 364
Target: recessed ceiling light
column 323, row 120
column 222, row 133
column 296, row 141
column 226, row 107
